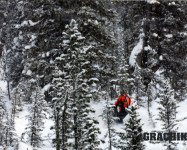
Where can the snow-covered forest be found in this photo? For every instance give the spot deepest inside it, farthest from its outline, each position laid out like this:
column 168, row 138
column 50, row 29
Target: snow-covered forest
column 63, row 64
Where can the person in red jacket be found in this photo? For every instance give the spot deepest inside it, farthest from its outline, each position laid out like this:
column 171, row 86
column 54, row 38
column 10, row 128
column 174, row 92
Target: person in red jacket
column 122, row 102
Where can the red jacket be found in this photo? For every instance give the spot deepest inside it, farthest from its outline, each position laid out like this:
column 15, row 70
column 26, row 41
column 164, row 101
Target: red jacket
column 122, row 98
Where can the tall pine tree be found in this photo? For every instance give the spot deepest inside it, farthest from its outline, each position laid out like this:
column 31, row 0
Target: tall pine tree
column 167, row 109
column 132, row 139
column 36, row 118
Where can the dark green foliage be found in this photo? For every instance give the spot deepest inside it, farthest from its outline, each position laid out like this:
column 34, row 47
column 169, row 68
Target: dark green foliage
column 167, row 110
column 36, row 117
column 132, row 138
column 78, row 60
column 71, row 93
column 134, row 130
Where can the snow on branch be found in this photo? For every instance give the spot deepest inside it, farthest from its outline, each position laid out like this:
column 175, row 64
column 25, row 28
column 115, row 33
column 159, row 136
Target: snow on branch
column 136, row 50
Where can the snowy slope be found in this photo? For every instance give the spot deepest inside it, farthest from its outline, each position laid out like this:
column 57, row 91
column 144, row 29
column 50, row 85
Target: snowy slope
column 148, row 124
column 21, row 123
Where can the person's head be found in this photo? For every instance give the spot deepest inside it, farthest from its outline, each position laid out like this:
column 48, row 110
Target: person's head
column 122, row 92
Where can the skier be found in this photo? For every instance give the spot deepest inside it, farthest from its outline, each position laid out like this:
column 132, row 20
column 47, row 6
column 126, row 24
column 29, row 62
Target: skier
column 120, row 104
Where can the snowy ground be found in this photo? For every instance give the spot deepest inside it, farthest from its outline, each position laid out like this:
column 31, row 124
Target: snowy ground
column 148, row 125
column 21, row 123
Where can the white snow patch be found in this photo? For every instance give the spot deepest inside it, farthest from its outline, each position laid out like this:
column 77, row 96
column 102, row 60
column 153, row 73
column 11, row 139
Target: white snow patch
column 169, row 35
column 46, row 87
column 151, row 146
column 43, row 55
column 26, row 23
column 3, row 85
column 161, row 57
column 96, row 22
column 47, row 133
column 181, row 115
column 184, row 33
column 33, row 37
column 66, row 41
column 21, row 121
column 172, row 3
column 33, row 23
column 99, row 107
column 47, row 54
column 29, row 72
column 85, row 49
column 80, row 38
column 136, row 50
column 27, row 46
column 147, row 48
column 16, row 41
column 155, row 34
column 20, row 37
column 153, row 1
column 24, row 146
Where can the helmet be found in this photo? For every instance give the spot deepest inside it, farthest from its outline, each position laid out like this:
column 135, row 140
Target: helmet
column 122, row 92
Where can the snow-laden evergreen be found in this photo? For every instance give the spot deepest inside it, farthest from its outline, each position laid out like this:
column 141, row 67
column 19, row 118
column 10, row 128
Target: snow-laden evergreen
column 36, row 119
column 132, row 139
column 110, row 119
column 61, row 109
column 71, row 94
column 63, row 63
column 167, row 111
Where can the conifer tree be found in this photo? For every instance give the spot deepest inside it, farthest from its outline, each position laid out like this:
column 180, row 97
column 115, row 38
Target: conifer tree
column 139, row 87
column 172, row 41
column 71, row 91
column 61, row 102
column 150, row 97
column 110, row 119
column 133, row 138
column 86, row 130
column 7, row 134
column 92, row 17
column 77, row 66
column 3, row 114
column 36, row 118
column 10, row 50
column 125, row 80
column 167, row 110
column 10, row 138
column 17, row 99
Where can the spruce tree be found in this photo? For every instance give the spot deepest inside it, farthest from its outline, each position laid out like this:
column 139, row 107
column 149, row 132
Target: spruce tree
column 126, row 81
column 150, row 97
column 3, row 113
column 36, row 118
column 167, row 109
column 77, row 66
column 71, row 85
column 110, row 119
column 17, row 98
column 92, row 17
column 132, row 139
column 7, row 131
column 61, row 101
column 139, row 87
column 86, row 130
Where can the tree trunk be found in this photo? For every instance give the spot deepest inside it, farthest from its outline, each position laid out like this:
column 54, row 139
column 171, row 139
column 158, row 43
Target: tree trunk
column 8, row 87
